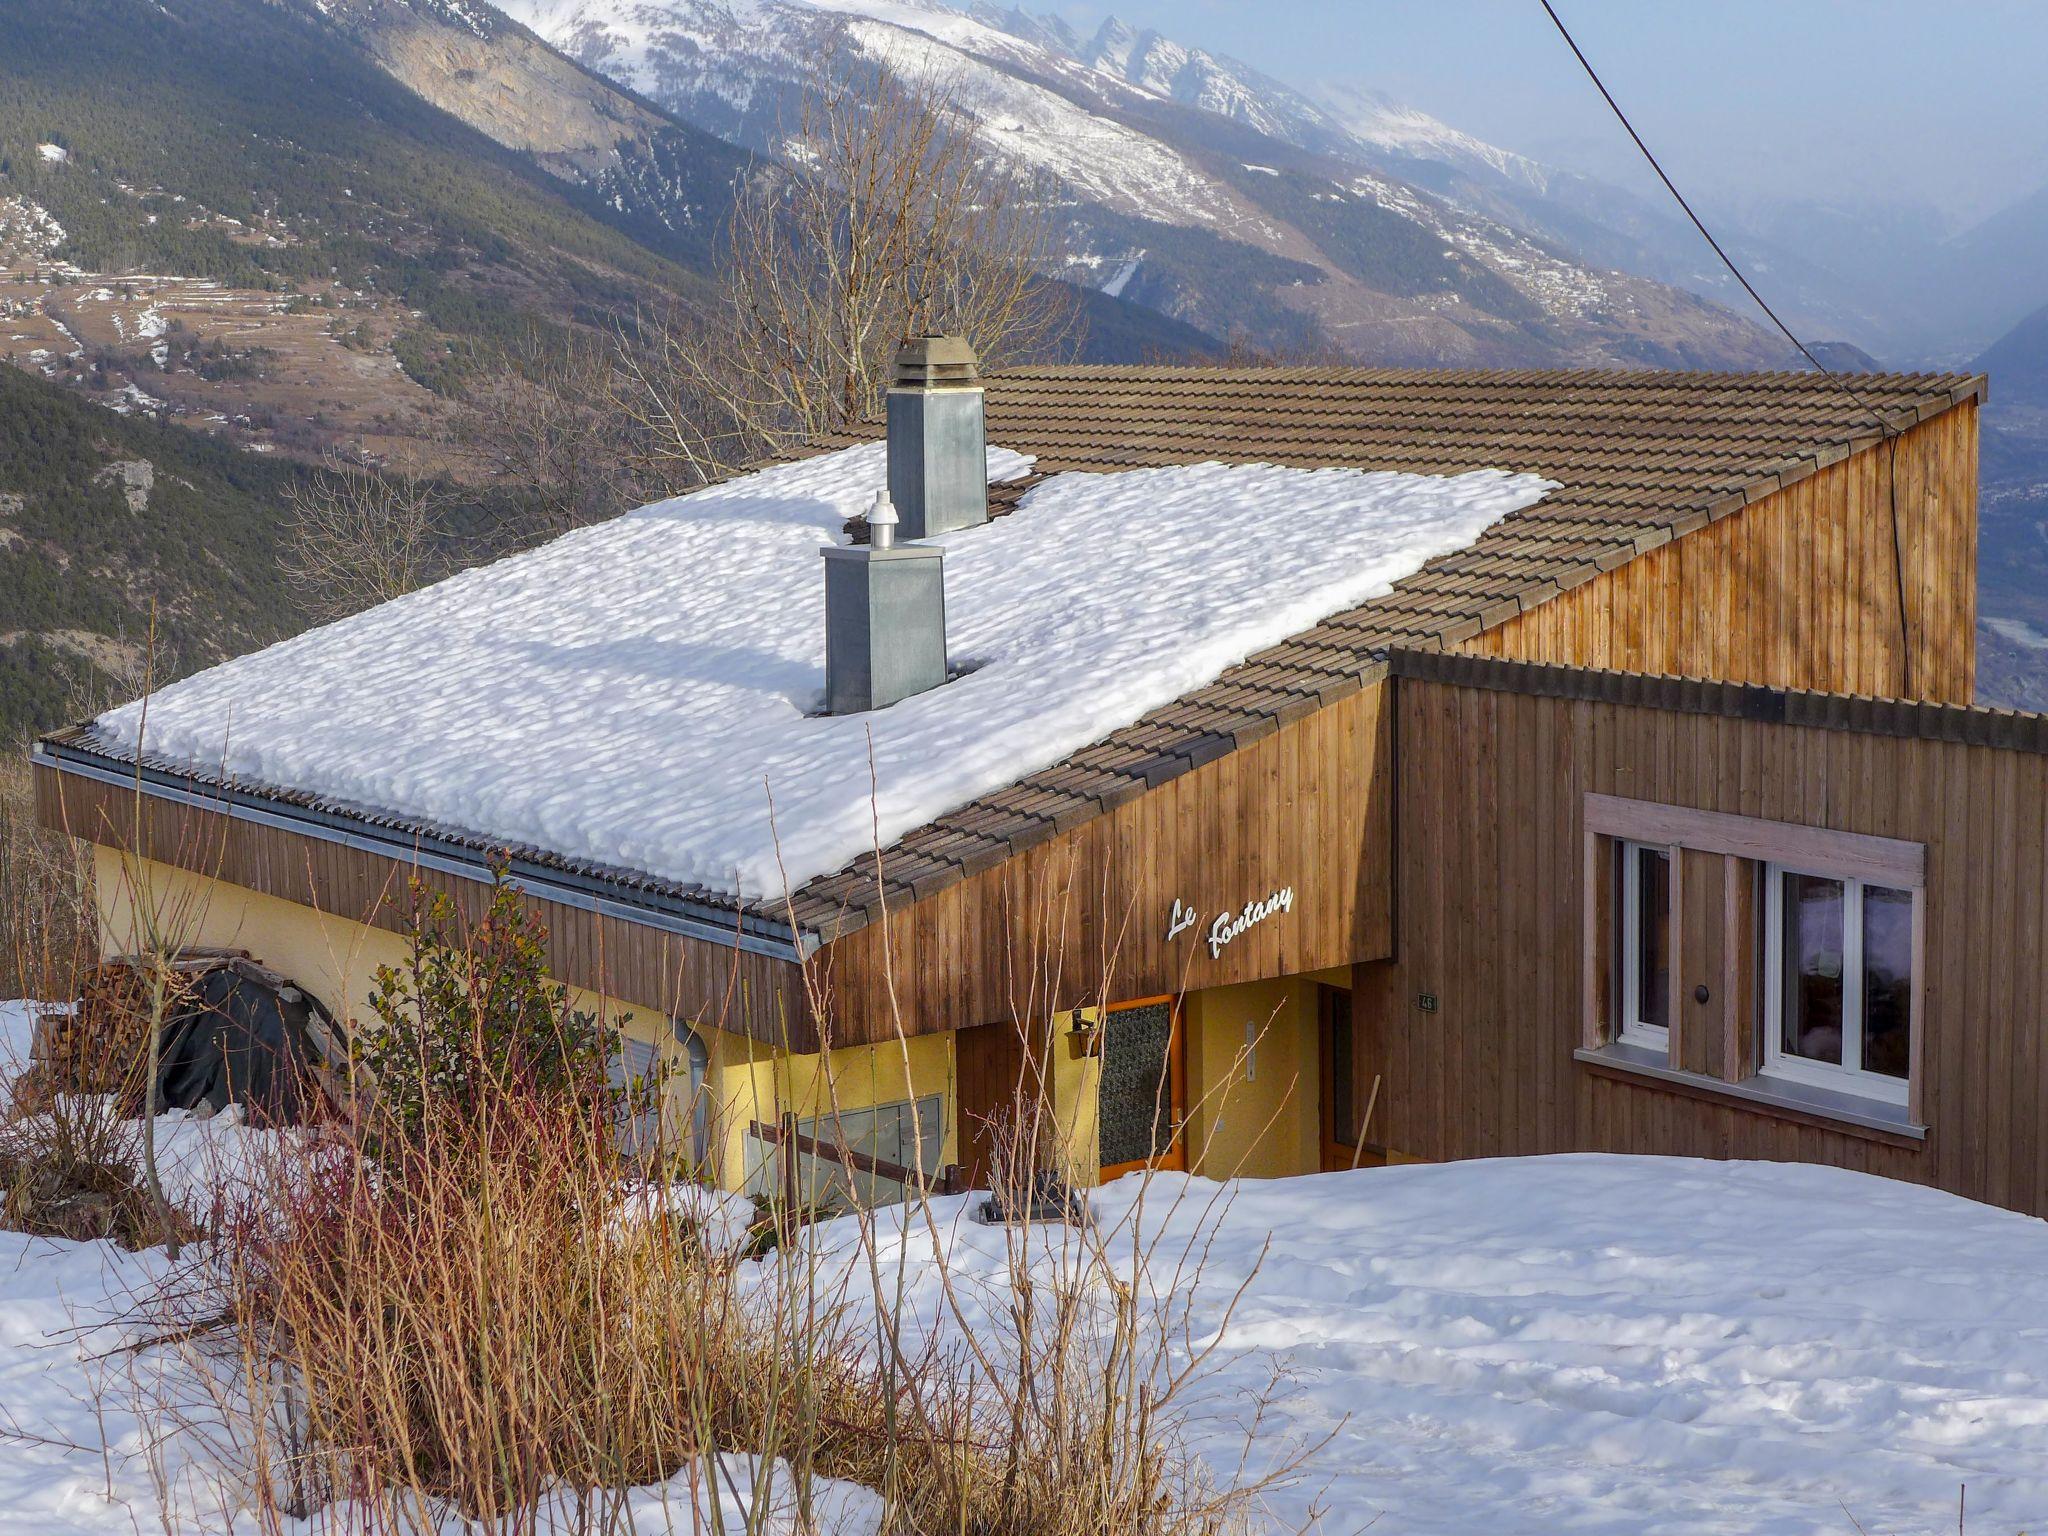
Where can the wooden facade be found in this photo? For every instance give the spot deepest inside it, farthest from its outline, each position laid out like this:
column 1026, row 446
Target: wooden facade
column 1072, row 921
column 1477, row 1026
column 1800, row 590
column 1082, row 918
column 670, row 974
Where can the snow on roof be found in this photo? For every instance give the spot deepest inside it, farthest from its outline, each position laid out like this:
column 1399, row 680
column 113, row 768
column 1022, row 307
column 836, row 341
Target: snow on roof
column 634, row 694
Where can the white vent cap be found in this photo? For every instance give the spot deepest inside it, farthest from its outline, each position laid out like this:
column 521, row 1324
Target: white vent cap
column 882, row 521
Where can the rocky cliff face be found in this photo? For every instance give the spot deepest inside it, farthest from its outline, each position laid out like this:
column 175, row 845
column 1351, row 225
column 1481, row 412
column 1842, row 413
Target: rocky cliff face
column 500, row 79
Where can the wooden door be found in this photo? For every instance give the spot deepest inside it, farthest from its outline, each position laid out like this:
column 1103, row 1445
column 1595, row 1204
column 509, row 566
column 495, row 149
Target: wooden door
column 1141, row 1097
column 1337, row 1049
column 999, row 1086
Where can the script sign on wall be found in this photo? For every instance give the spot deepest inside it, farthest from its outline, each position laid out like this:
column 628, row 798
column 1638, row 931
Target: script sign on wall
column 1228, row 926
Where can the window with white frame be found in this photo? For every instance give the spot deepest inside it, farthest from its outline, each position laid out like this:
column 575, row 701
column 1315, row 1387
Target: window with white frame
column 1838, row 983
column 1645, row 950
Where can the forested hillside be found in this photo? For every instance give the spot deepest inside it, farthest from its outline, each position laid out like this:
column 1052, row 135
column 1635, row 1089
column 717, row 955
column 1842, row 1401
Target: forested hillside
column 2012, row 557
column 235, row 140
column 103, row 515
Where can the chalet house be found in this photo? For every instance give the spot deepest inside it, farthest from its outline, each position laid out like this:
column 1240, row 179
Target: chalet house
column 1595, row 771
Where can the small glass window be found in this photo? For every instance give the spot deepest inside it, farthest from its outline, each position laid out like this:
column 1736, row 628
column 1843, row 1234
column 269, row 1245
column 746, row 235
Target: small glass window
column 891, row 1143
column 1646, row 946
column 1839, row 983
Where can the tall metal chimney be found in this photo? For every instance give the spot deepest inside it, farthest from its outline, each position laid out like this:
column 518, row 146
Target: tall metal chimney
column 885, row 617
column 938, row 450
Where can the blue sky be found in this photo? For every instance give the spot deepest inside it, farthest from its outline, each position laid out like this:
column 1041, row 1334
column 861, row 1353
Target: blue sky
column 1934, row 101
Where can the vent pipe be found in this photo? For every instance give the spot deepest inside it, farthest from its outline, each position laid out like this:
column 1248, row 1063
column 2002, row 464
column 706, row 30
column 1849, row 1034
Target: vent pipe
column 885, row 617
column 938, row 450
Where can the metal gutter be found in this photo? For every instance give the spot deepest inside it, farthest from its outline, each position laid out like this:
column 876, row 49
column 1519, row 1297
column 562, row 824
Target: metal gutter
column 733, row 930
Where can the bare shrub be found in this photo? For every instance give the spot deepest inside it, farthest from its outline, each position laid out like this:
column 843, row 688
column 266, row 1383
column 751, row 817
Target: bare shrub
column 895, row 222
column 48, row 930
column 544, row 424
column 493, row 1315
column 1076, row 1358
column 356, row 536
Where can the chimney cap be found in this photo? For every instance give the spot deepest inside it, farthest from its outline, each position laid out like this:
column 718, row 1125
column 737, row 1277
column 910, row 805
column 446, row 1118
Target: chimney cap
column 935, row 361
column 882, row 521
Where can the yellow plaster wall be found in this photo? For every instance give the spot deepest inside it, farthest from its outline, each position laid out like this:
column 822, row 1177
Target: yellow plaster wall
column 336, row 960
column 1268, row 1126
column 1076, row 1106
column 755, row 1082
column 1266, row 1123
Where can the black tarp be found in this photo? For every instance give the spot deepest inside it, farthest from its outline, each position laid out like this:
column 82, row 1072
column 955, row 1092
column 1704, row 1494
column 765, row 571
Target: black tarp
column 243, row 1037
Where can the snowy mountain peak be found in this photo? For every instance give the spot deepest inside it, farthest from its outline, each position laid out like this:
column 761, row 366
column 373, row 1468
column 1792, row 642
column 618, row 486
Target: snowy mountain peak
column 1112, row 45
column 1368, row 226
column 1047, row 32
column 1375, row 119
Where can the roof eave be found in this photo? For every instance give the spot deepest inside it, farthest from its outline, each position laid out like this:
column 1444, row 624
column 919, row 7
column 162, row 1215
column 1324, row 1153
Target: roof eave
column 434, row 849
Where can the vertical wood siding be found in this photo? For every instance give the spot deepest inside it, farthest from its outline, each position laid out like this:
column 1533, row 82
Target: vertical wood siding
column 1491, row 923
column 1799, row 590
column 1081, row 918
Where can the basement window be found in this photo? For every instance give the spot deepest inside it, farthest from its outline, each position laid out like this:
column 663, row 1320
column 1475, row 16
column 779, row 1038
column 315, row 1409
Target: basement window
column 1645, row 947
column 868, row 1157
column 1838, row 983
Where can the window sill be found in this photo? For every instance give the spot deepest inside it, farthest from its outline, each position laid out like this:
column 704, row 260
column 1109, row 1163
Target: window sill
column 1827, row 1107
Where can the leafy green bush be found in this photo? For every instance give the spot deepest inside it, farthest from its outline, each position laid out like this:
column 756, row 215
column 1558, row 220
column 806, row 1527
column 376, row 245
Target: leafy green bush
column 471, row 1017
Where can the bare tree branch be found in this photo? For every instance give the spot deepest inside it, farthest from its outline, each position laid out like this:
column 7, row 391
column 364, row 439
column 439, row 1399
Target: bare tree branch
column 355, row 536
column 894, row 221
column 542, row 425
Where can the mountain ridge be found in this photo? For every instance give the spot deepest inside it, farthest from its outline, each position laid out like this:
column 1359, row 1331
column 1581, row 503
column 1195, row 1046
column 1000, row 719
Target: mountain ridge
column 1161, row 190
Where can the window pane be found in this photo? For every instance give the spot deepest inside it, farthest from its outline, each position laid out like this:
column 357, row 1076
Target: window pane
column 1653, row 937
column 1813, row 929
column 1887, row 981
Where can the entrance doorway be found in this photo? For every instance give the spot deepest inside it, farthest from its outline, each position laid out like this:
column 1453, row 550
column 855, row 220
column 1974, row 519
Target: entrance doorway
column 1142, row 1097
column 1339, row 1079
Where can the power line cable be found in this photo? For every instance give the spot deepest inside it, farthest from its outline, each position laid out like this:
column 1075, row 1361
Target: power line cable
column 1889, row 433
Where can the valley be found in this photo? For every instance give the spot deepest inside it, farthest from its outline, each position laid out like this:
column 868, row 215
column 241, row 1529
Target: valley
column 306, row 372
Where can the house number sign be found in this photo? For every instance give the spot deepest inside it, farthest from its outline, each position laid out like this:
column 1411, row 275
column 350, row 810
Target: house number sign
column 1229, row 926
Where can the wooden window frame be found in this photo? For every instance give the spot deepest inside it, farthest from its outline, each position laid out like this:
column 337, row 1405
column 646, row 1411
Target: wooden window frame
column 1753, row 846
column 1774, row 1060
column 1629, row 1025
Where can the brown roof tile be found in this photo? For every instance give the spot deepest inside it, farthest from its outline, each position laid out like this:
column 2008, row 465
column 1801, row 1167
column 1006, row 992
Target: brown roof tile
column 1641, row 458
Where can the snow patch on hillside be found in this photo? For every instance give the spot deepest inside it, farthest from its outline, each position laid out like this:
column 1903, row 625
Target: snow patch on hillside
column 731, row 47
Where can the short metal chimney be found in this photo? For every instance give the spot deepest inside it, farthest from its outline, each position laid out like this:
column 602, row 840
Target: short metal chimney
column 885, row 617
column 938, row 452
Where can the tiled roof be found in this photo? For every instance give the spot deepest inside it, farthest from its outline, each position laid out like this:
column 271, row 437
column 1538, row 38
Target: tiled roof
column 1973, row 725
column 1641, row 458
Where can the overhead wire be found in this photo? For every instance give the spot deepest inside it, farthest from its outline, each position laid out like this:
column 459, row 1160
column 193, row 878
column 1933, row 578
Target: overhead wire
column 1885, row 428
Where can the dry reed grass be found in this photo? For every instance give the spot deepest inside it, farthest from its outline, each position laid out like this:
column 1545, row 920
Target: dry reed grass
column 503, row 1317
column 509, row 1330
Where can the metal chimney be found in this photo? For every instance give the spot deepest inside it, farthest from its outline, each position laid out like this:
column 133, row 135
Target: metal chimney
column 938, row 451
column 885, row 618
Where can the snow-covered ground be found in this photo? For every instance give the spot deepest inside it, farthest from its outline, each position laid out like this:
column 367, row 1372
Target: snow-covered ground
column 1584, row 1344
column 1619, row 1345
column 635, row 693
